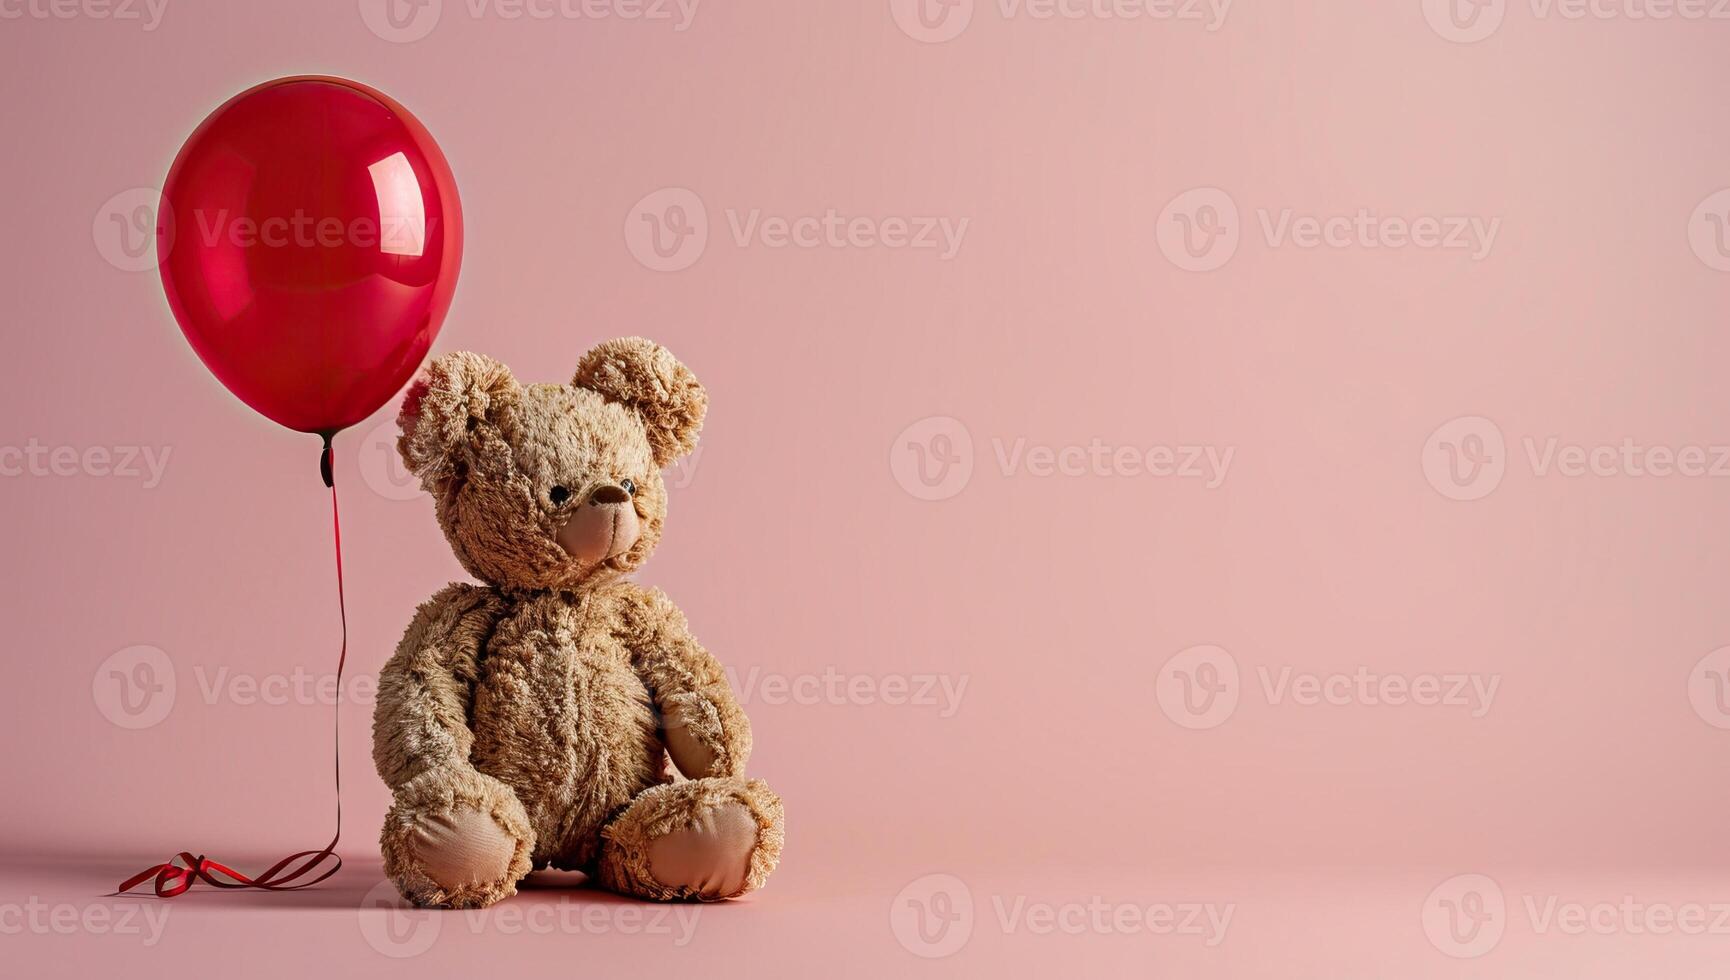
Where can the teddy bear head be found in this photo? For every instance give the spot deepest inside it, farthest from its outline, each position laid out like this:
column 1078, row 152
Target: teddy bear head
column 552, row 486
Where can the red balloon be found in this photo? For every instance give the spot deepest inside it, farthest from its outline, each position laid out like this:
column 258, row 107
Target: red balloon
column 310, row 237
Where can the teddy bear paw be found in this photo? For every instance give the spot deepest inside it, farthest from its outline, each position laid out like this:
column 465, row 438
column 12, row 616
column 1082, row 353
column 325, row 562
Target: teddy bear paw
column 456, row 858
column 709, row 859
column 707, row 839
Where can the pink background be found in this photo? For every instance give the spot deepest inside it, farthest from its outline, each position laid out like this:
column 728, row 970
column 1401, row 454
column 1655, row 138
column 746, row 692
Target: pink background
column 1599, row 771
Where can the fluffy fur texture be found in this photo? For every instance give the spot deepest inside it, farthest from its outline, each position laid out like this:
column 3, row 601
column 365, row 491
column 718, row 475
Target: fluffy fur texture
column 552, row 698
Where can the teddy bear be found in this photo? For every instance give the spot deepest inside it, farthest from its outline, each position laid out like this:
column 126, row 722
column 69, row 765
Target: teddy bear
column 560, row 715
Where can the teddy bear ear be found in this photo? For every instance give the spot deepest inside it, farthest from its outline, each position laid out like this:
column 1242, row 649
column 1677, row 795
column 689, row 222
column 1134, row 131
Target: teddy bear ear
column 646, row 377
column 442, row 409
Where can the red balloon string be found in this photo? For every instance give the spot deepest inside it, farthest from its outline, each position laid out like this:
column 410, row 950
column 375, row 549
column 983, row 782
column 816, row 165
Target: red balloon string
column 289, row 873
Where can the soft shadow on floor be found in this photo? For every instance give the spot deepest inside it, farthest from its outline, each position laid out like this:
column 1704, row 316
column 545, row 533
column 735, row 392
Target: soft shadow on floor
column 360, row 883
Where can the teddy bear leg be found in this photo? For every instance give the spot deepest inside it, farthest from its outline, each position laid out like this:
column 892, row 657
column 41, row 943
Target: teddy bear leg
column 464, row 847
column 707, row 839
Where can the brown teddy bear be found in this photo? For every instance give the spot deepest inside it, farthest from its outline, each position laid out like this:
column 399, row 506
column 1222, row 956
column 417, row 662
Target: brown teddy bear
column 529, row 722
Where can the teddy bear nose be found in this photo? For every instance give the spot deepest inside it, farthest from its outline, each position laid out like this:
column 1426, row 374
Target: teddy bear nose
column 609, row 494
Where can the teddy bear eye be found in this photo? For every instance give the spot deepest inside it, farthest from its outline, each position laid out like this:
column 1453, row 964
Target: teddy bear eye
column 630, row 488
column 558, row 495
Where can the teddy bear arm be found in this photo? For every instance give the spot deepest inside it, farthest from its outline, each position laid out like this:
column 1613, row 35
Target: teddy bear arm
column 420, row 723
column 454, row 836
column 706, row 731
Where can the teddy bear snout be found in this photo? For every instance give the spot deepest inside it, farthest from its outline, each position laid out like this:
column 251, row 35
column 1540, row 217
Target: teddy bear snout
column 604, row 527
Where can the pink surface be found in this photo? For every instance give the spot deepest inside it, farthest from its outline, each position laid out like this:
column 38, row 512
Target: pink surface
column 1278, row 466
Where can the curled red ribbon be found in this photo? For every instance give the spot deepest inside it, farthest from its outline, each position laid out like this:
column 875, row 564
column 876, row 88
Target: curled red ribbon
column 174, row 879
